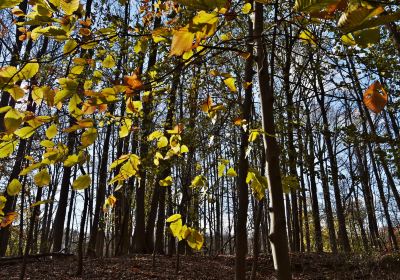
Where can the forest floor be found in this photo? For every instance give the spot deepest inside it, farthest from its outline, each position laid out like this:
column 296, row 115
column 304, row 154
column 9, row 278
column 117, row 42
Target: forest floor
column 304, row 266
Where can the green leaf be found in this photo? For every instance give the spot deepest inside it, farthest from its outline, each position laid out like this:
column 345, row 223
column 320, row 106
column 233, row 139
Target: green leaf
column 42, row 178
column 82, row 182
column 14, row 187
column 367, row 37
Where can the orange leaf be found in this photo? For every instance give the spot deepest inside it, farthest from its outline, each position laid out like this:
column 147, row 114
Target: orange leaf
column 8, row 219
column 207, row 104
column 133, row 81
column 375, row 97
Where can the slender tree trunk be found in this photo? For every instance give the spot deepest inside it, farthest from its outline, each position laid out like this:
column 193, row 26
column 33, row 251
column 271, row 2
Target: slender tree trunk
column 242, row 188
column 278, row 236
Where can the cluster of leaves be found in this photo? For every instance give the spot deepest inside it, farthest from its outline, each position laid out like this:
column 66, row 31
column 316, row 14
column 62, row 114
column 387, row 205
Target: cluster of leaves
column 182, row 232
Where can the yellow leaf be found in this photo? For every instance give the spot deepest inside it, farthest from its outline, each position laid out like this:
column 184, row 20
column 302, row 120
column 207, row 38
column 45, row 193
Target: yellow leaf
column 88, row 137
column 221, row 169
column 230, row 83
column 42, row 178
column 231, row 172
column 108, row 62
column 82, row 182
column 246, row 8
column 182, row 41
column 12, row 120
column 109, row 203
column 174, row 218
column 71, row 160
column 16, row 92
column 41, row 202
column 253, row 135
column 3, row 201
column 207, row 104
column 28, row 70
column 51, row 132
column 198, row 181
column 348, row 40
column 307, row 37
column 7, row 147
column 9, row 3
column 25, row 132
column 162, row 142
column 184, row 149
column 166, row 182
column 47, row 143
column 14, row 187
column 70, row 46
column 125, row 127
column 195, row 240
column 69, row 6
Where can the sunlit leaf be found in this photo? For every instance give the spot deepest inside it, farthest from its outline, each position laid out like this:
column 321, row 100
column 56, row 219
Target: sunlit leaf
column 108, row 62
column 230, row 83
column 9, row 3
column 231, row 172
column 12, row 120
column 69, row 6
column 14, row 187
column 375, row 97
column 82, row 182
column 166, row 182
column 246, row 8
column 182, row 41
column 51, row 132
column 42, row 178
column 8, row 219
column 89, row 136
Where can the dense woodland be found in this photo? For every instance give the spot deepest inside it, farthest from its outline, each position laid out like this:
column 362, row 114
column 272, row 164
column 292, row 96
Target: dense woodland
column 259, row 129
